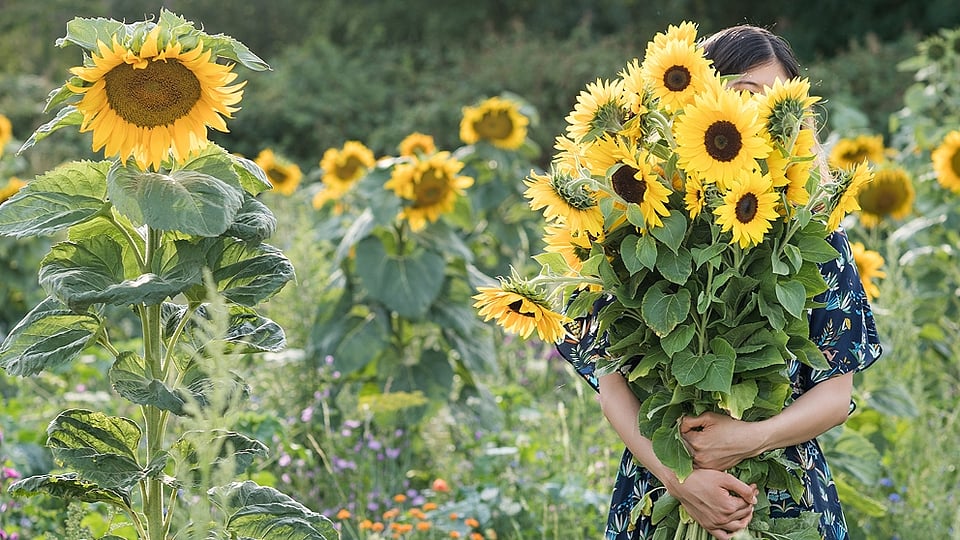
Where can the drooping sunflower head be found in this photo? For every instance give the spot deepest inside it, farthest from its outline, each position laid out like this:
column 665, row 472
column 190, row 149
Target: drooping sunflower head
column 784, row 108
column 719, row 136
column 6, row 132
column 845, row 189
column 946, row 161
column 848, row 152
column 520, row 308
column 149, row 91
column 495, row 120
column 431, row 187
column 676, row 72
column 599, row 110
column 565, row 197
column 282, row 173
column 344, row 167
column 636, row 181
column 11, row 188
column 889, row 195
column 869, row 266
column 749, row 208
column 417, row 144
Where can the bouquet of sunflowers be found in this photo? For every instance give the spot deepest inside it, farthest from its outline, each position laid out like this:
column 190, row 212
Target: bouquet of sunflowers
column 700, row 212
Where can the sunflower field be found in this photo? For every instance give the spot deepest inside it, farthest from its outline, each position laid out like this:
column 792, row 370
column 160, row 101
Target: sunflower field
column 250, row 255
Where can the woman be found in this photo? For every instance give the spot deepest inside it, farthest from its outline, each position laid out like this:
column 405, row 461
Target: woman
column 843, row 329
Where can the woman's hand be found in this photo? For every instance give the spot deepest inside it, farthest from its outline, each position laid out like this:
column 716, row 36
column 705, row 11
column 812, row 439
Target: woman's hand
column 717, row 441
column 718, row 501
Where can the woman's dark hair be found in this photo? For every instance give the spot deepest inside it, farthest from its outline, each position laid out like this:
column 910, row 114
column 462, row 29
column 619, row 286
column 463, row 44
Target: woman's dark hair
column 736, row 49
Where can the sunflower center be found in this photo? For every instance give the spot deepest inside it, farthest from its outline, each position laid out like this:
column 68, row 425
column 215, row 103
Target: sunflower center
column 676, row 78
column 722, row 140
column 855, row 156
column 494, row 126
column 158, row 95
column 955, row 163
column 515, row 307
column 278, row 175
column 747, row 207
column 883, row 197
column 626, row 185
column 349, row 169
column 431, row 189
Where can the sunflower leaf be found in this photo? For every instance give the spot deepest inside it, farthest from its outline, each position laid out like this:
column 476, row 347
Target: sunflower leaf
column 228, row 47
column 243, row 273
column 69, row 486
column 405, row 284
column 663, row 310
column 67, row 116
column 49, row 336
column 88, row 33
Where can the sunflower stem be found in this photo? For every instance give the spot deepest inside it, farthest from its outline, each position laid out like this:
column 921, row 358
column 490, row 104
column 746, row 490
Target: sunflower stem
column 150, row 322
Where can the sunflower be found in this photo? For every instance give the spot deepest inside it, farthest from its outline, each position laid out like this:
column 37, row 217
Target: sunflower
column 748, row 209
column 719, row 136
column 6, row 132
column 146, row 103
column 851, row 181
column 946, row 161
column 784, row 107
column 569, row 155
column 282, row 173
column 637, row 99
column 869, row 264
column 563, row 197
column 432, row 185
column 13, row 186
column 685, row 32
column 676, row 73
column 600, row 154
column 695, row 197
column 889, row 195
column 495, row 120
column 575, row 248
column 848, row 152
column 637, row 182
column 344, row 167
column 599, row 109
column 417, row 144
column 520, row 309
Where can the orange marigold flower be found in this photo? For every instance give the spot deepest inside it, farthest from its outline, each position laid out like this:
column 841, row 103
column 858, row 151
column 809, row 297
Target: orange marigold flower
column 343, row 514
column 377, row 527
column 454, row 516
column 439, row 484
column 476, row 536
column 390, row 514
column 470, row 522
column 429, row 506
column 366, row 525
column 417, row 513
column 454, row 534
column 399, row 498
column 424, row 526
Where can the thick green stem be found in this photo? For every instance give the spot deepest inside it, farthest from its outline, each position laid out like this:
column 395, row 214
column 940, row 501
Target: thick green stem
column 150, row 322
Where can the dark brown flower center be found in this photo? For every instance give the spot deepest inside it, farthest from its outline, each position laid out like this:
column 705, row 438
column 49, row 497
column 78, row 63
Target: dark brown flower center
column 626, row 185
column 494, row 126
column 883, row 196
column 157, row 95
column 431, row 189
column 278, row 175
column 350, row 168
column 955, row 161
column 747, row 208
column 676, row 78
column 722, row 140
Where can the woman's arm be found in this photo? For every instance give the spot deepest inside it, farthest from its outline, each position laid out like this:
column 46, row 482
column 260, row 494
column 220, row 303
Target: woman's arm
column 720, row 502
column 717, row 441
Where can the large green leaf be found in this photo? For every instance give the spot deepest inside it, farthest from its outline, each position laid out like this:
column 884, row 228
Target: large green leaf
column 662, row 309
column 260, row 512
column 128, row 379
column 87, row 33
column 672, row 232
column 100, row 448
column 815, row 248
column 675, row 266
column 253, row 179
column 405, row 284
column 669, row 448
column 245, row 274
column 66, row 117
column 792, row 295
column 247, row 330
column 70, row 194
column 68, row 486
column 187, row 201
column 254, row 222
column 48, row 336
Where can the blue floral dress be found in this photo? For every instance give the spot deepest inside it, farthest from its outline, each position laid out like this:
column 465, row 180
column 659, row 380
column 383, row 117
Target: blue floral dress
column 843, row 329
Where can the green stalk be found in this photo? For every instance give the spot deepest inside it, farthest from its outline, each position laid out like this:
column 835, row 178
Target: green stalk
column 154, row 422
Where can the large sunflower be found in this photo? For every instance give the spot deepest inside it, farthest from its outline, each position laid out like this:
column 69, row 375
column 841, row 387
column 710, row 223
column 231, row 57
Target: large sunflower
column 889, row 195
column 848, row 152
column 6, row 132
column 520, row 309
column 599, row 110
column 432, row 186
column 748, row 209
column 284, row 174
column 638, row 100
column 719, row 136
column 946, row 161
column 495, row 120
column 869, row 264
column 676, row 73
column 564, row 198
column 148, row 102
column 850, row 182
column 637, row 182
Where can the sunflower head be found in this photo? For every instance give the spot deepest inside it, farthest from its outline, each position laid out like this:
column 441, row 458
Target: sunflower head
column 600, row 110
column 844, row 191
column 749, row 209
column 343, row 167
column 495, row 120
column 848, row 152
column 889, row 195
column 282, row 173
column 11, row 188
column 677, row 72
column 431, row 187
column 520, row 308
column 869, row 267
column 946, row 161
column 636, row 181
column 149, row 91
column 417, row 144
column 565, row 197
column 6, row 132
column 784, row 107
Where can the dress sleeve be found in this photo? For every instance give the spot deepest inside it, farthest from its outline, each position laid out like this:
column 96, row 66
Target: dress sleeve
column 844, row 328
column 582, row 345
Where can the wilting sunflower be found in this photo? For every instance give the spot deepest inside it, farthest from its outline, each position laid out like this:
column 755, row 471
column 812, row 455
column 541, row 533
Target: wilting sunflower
column 150, row 101
column 563, row 197
column 946, row 161
column 432, row 186
column 889, row 195
column 599, row 110
column 676, row 73
column 869, row 264
column 13, row 186
column 495, row 120
column 748, row 209
column 849, row 183
column 848, row 152
column 719, row 136
column 6, row 132
column 784, row 107
column 637, row 182
column 417, row 144
column 520, row 309
column 284, row 174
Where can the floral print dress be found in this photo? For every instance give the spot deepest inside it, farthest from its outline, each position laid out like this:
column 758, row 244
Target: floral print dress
column 843, row 329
